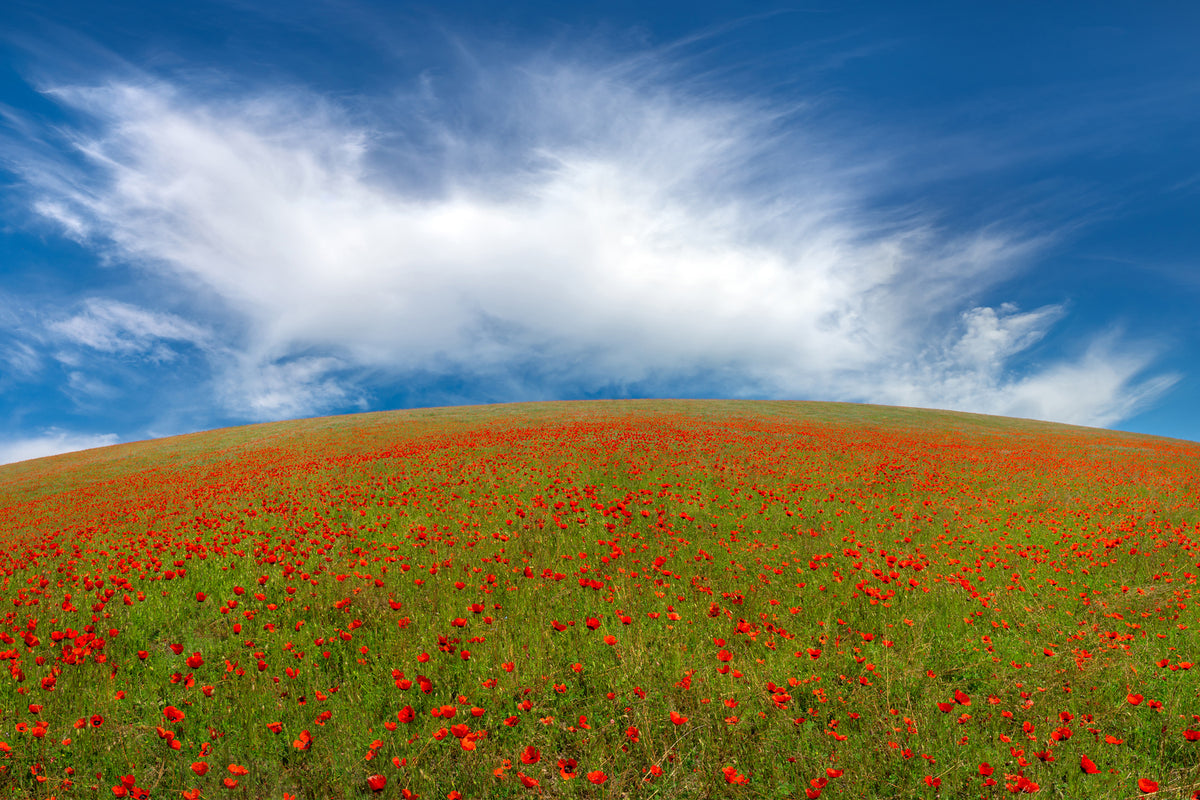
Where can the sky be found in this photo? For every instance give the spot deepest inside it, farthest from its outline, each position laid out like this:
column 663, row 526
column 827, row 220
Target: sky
column 222, row 212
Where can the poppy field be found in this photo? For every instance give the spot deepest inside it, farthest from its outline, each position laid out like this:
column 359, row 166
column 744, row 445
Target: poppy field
column 649, row 599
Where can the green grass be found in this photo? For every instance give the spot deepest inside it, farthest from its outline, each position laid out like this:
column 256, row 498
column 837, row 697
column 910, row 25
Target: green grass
column 1043, row 572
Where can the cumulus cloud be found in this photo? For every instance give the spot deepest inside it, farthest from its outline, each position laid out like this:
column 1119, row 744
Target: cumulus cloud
column 584, row 227
column 52, row 442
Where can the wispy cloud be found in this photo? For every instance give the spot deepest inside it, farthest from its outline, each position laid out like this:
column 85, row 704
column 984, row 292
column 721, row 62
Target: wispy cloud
column 576, row 224
column 51, row 442
column 115, row 327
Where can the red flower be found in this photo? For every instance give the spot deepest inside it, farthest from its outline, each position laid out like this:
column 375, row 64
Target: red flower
column 1134, row 699
column 531, row 755
column 1087, row 766
column 566, row 768
column 597, row 777
column 376, row 783
column 172, row 714
column 986, row 769
column 733, row 776
column 275, row 727
column 199, row 767
column 678, row 719
column 304, row 741
column 195, row 660
column 1148, row 786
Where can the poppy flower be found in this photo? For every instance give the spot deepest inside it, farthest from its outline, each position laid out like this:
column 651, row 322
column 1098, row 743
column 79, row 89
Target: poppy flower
column 531, row 755
column 1087, row 766
column 733, row 776
column 303, row 741
column 173, row 714
column 986, row 769
column 1134, row 699
column 677, row 718
column 1148, row 786
column 275, row 727
column 597, row 777
column 376, row 783
column 566, row 768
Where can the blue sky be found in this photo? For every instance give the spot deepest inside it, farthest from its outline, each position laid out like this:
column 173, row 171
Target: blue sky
column 217, row 213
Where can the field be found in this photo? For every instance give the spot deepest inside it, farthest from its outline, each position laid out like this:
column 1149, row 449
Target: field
column 652, row 599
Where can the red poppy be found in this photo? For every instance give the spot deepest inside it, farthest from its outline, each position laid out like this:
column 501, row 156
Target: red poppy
column 677, row 718
column 1148, row 786
column 303, row 741
column 1087, row 766
column 597, row 777
column 376, row 783
column 566, row 768
column 733, row 776
column 173, row 714
column 531, row 755
column 1134, row 699
column 986, row 769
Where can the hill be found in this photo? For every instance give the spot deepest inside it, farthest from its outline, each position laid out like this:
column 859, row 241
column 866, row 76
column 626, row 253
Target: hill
column 612, row 598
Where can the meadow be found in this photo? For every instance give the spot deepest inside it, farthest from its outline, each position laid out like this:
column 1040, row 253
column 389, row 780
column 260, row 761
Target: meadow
column 651, row 599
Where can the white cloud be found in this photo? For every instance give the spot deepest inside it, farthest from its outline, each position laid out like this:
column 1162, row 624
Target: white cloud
column 606, row 230
column 52, row 442
column 114, row 327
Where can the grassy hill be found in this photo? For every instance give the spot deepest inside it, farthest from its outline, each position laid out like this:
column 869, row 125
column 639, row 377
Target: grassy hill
column 605, row 599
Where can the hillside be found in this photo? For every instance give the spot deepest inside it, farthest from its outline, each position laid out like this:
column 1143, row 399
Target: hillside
column 611, row 598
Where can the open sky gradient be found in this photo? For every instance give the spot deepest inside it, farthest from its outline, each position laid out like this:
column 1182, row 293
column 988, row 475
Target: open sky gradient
column 224, row 212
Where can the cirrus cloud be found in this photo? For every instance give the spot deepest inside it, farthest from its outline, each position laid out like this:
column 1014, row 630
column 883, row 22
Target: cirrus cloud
column 576, row 227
